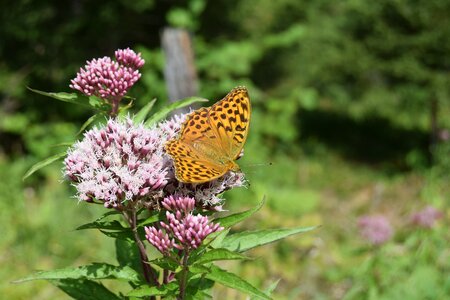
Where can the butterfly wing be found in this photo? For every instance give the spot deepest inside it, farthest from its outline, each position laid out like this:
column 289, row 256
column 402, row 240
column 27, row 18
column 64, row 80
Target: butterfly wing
column 191, row 166
column 230, row 118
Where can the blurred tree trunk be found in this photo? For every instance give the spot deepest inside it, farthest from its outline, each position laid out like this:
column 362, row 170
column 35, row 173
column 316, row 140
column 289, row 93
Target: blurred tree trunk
column 179, row 72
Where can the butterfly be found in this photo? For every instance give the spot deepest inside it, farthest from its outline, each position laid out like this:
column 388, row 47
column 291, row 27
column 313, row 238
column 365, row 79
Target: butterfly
column 211, row 139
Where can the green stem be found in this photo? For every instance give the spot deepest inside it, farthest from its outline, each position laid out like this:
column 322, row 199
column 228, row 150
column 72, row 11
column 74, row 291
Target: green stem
column 184, row 273
column 149, row 273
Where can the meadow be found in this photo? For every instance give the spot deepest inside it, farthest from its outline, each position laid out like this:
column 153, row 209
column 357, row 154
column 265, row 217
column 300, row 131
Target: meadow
column 351, row 106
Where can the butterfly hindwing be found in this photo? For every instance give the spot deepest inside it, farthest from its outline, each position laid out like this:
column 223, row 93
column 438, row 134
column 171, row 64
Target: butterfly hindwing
column 190, row 166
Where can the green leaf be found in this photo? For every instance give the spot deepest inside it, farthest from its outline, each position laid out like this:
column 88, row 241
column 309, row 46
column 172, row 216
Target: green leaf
column 230, row 280
column 165, row 263
column 64, row 144
column 155, row 217
column 123, row 110
column 127, row 254
column 158, row 116
column 66, row 97
column 91, row 120
column 218, row 240
column 107, row 225
column 103, row 222
column 84, row 289
column 163, row 290
column 270, row 289
column 218, row 254
column 143, row 112
column 93, row 271
column 43, row 163
column 233, row 219
column 198, row 287
column 99, row 104
column 246, row 240
column 109, row 214
column 123, row 235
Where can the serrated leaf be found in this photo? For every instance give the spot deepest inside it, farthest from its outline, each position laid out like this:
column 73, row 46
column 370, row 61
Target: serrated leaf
column 84, row 289
column 66, row 97
column 218, row 254
column 158, row 116
column 233, row 219
column 107, row 225
column 230, row 280
column 143, row 112
column 163, row 290
column 93, row 271
column 43, row 163
column 246, row 240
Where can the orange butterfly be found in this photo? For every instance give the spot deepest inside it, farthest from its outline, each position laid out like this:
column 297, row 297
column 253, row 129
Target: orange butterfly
column 211, row 139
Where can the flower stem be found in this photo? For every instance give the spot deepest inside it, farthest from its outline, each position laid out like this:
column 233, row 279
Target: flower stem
column 115, row 106
column 149, row 273
column 184, row 273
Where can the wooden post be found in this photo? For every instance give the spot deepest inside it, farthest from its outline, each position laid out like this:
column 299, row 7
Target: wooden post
column 179, row 72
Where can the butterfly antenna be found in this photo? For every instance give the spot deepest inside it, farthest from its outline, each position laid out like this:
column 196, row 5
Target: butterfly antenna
column 258, row 165
column 247, row 166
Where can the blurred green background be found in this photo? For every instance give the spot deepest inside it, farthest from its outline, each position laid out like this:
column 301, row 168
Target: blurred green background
column 351, row 116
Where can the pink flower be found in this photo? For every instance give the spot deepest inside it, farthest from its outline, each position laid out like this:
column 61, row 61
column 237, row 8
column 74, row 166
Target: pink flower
column 129, row 58
column 174, row 203
column 185, row 230
column 109, row 79
column 117, row 163
column 427, row 217
column 375, row 229
column 159, row 239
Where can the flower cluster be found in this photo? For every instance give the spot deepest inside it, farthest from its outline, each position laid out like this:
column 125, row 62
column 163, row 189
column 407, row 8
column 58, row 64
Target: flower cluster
column 183, row 230
column 427, row 217
column 109, row 79
column 117, row 163
column 124, row 162
column 129, row 58
column 375, row 229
